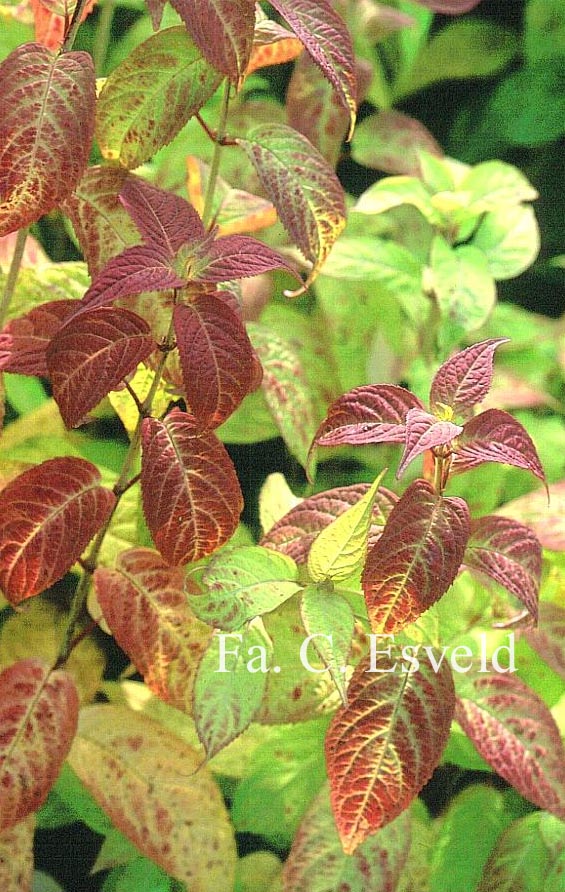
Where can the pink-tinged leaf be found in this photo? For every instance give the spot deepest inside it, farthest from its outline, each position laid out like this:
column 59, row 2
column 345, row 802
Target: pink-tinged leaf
column 16, row 856
column 495, row 435
column 223, row 31
column 191, row 494
column 508, row 552
column 144, row 603
column 91, row 355
column 165, row 221
column 464, row 380
column 46, row 130
column 416, row 559
column 303, row 187
column 547, row 521
column 218, row 362
column 326, row 38
column 372, row 413
column 391, row 141
column 423, row 432
column 383, row 747
column 548, row 639
column 156, row 9
column 132, row 272
column 155, row 790
column 24, row 341
column 49, row 515
column 38, row 717
column 317, row 862
column 238, row 256
column 514, row 731
column 450, row 7
column 294, row 533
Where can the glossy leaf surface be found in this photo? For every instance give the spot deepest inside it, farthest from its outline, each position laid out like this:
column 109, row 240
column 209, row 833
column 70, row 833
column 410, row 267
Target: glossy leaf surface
column 223, row 31
column 49, row 515
column 38, row 716
column 496, row 436
column 465, row 379
column 372, row 413
column 416, row 559
column 383, row 747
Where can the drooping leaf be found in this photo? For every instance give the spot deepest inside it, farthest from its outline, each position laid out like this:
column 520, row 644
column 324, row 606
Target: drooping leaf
column 303, row 187
column 424, row 431
column 514, row 731
column 155, row 790
column 191, row 494
column 465, row 379
column 150, row 96
column 326, row 39
column 528, row 857
column 223, row 31
column 144, row 603
column 329, row 620
column 49, row 515
column 548, row 639
column 46, row 130
column 16, row 856
column 509, row 553
column 38, row 718
column 496, row 436
column 317, row 861
column 391, row 141
column 377, row 761
column 244, row 582
column 91, row 355
column 294, row 533
column 227, row 693
column 135, row 270
column 24, row 341
column 417, row 557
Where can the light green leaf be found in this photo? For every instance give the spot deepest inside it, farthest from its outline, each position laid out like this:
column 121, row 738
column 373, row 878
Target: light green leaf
column 510, row 240
column 494, row 184
column 115, row 851
column 463, row 286
column 340, row 549
column 47, row 281
column 529, row 857
column 437, row 173
column 391, row 192
column 125, row 407
column 138, row 874
column 329, row 617
column 252, row 422
column 24, row 393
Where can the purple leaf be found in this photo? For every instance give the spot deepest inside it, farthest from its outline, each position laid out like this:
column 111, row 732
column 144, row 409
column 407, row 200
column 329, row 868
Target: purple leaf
column 548, row 639
column 223, row 32
column 238, row 256
column 465, row 379
column 495, row 435
column 132, row 272
column 450, row 7
column 165, row 221
column 24, row 340
column 509, row 553
column 423, row 432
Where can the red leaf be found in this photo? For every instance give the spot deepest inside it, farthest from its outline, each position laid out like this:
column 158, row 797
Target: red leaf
column 217, row 359
column 325, row 37
column 416, row 559
column 38, row 717
column 294, row 533
column 509, row 553
column 450, row 7
column 423, row 432
column 376, row 763
column 91, row 355
column 372, row 413
column 548, row 639
column 46, row 130
column 465, row 379
column 237, row 256
column 144, row 603
column 165, row 221
column 223, row 31
column 24, row 341
column 514, row 731
column 191, row 495
column 49, row 515
column 132, row 272
column 495, row 435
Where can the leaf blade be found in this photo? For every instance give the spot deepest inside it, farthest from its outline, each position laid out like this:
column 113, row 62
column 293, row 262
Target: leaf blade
column 494, row 435
column 465, row 379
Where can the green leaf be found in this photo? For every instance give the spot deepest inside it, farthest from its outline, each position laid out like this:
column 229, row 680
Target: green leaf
column 493, row 184
column 115, row 851
column 539, row 115
column 544, row 36
column 391, row 192
column 23, row 393
column 329, row 617
column 77, row 799
column 252, row 422
column 150, row 96
column 463, row 287
column 241, row 583
column 138, row 874
column 391, row 141
column 47, row 281
column 529, row 857
column 340, row 549
column 510, row 240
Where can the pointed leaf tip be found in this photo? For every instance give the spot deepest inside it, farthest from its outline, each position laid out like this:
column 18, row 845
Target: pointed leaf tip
column 423, row 432
column 465, row 379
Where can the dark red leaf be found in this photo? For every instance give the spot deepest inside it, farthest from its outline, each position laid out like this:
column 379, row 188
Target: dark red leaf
column 514, row 731
column 465, row 379
column 217, row 359
column 49, row 515
column 237, row 256
column 165, row 221
column 24, row 341
column 222, row 30
column 450, row 7
column 416, row 559
column 191, row 495
column 92, row 354
column 548, row 639
column 423, row 432
column 132, row 272
column 38, row 718
column 376, row 763
column 294, row 533
column 495, row 435
column 509, row 553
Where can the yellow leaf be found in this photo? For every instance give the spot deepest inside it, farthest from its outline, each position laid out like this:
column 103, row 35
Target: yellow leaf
column 124, row 405
column 275, row 500
column 16, row 856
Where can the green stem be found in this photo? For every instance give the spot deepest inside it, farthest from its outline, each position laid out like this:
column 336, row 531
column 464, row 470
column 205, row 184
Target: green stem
column 215, row 165
column 74, row 26
column 103, row 36
column 13, row 273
